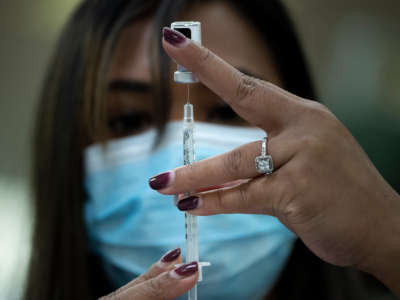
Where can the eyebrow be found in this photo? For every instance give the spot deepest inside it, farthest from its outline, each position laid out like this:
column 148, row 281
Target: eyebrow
column 129, row 85
column 138, row 86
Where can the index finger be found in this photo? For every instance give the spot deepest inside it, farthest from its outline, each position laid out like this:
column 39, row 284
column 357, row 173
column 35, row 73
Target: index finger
column 166, row 263
column 259, row 102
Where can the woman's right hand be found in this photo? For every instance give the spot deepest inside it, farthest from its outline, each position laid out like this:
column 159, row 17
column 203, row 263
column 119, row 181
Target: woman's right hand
column 324, row 187
column 161, row 281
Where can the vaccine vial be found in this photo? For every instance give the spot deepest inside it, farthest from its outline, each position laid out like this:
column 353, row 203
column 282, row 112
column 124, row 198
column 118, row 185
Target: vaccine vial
column 191, row 30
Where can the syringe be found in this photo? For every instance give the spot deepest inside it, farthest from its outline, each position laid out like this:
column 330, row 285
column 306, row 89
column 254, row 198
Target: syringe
column 191, row 30
column 192, row 252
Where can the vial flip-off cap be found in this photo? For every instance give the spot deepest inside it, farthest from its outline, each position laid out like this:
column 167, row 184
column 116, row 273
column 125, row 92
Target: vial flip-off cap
column 191, row 30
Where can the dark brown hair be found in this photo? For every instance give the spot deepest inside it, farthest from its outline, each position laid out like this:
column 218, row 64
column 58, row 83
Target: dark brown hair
column 71, row 113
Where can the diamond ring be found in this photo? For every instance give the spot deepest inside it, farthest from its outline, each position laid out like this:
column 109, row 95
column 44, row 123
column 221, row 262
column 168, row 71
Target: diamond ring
column 264, row 163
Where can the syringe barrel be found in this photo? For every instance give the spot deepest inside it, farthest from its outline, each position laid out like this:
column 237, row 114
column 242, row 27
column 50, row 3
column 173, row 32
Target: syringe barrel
column 191, row 238
column 188, row 158
column 188, row 135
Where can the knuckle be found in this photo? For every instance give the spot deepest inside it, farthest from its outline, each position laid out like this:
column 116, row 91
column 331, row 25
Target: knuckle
column 309, row 142
column 145, row 277
column 315, row 147
column 219, row 203
column 244, row 202
column 319, row 107
column 300, row 177
column 222, row 203
column 233, row 162
column 291, row 203
column 300, row 211
column 318, row 110
column 154, row 289
column 189, row 173
column 279, row 185
column 292, row 213
column 246, row 87
column 205, row 57
column 287, row 206
column 232, row 200
column 298, row 204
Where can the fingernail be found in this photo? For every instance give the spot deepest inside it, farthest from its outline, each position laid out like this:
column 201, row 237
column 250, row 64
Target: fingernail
column 189, row 203
column 173, row 37
column 171, row 255
column 161, row 181
column 185, row 270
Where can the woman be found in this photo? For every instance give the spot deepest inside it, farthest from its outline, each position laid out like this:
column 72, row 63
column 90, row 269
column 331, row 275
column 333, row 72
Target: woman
column 87, row 100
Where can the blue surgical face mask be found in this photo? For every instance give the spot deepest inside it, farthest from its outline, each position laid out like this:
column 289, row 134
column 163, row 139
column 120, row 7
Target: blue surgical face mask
column 131, row 226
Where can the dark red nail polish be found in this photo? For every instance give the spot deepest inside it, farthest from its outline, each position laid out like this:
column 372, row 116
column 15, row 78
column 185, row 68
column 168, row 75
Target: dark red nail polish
column 171, row 255
column 188, row 269
column 160, row 181
column 173, row 37
column 188, row 203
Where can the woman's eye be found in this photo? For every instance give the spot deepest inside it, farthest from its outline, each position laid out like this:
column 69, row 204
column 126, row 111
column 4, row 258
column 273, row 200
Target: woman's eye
column 131, row 123
column 226, row 115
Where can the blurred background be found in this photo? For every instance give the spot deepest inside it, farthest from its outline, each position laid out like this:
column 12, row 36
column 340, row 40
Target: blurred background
column 353, row 48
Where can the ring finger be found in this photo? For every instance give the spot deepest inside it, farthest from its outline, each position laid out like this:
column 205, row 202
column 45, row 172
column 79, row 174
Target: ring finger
column 230, row 166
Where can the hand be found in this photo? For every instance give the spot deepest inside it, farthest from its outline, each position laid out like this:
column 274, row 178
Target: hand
column 324, row 187
column 161, row 282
